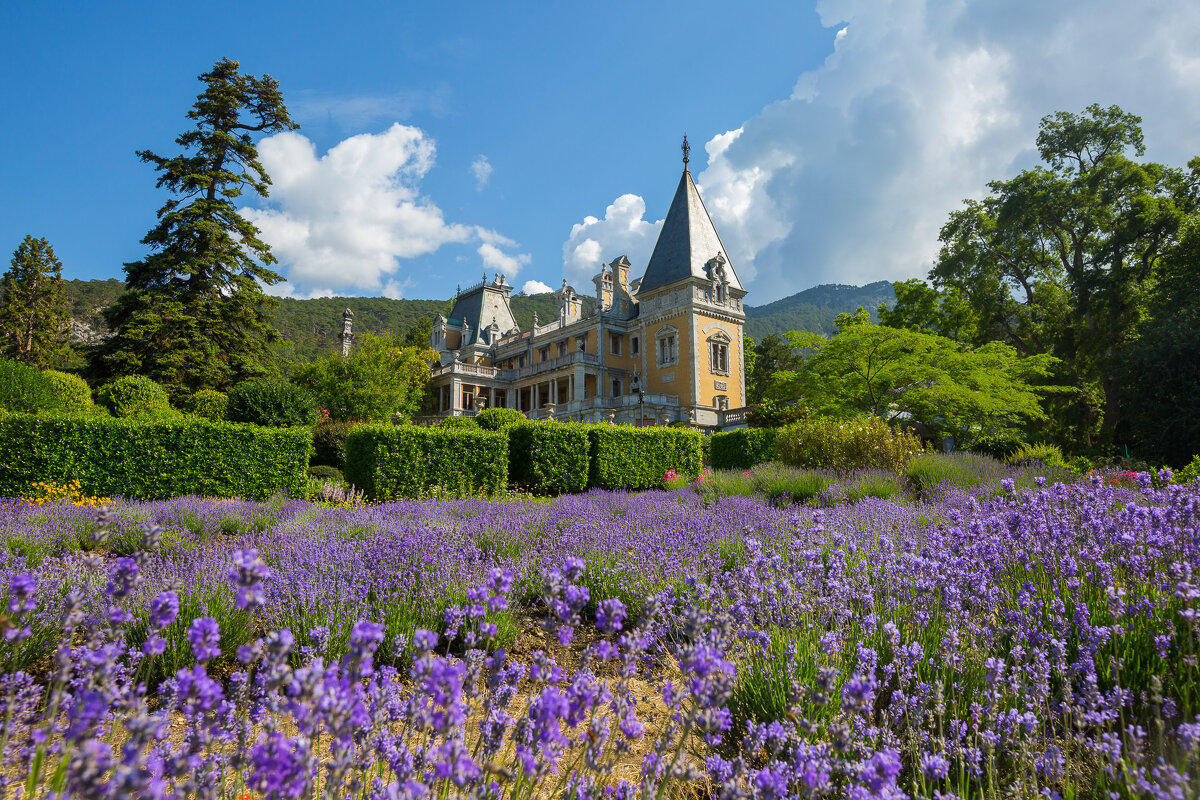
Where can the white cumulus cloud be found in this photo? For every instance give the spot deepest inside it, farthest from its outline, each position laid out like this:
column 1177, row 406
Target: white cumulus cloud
column 345, row 221
column 623, row 231
column 921, row 103
column 535, row 287
column 481, row 168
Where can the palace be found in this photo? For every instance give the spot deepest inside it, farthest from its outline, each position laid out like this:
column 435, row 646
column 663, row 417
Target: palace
column 666, row 347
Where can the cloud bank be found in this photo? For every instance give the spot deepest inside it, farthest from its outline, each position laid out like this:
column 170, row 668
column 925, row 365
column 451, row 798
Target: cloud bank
column 850, row 178
column 345, row 221
column 595, row 241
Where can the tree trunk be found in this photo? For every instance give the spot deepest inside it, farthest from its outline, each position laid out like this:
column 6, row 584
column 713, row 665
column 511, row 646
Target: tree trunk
column 1112, row 412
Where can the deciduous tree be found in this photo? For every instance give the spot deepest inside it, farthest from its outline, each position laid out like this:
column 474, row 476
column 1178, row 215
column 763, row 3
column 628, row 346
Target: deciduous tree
column 194, row 314
column 380, row 381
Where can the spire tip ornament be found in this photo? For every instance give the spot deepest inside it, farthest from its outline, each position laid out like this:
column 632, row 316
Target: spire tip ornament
column 686, row 149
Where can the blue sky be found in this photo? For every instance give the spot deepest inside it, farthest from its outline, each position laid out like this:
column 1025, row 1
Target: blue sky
column 438, row 140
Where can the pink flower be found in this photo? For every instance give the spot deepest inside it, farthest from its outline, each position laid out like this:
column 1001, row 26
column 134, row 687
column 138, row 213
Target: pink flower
column 670, row 475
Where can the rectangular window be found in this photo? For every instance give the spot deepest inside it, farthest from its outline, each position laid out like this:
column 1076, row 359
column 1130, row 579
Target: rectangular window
column 666, row 350
column 581, row 344
column 562, row 348
column 634, row 346
column 616, row 387
column 614, row 344
column 719, row 358
column 544, row 354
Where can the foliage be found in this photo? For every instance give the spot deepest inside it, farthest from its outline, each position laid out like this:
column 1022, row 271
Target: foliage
column 208, row 404
column 1160, row 370
column 71, row 389
column 846, row 444
column 743, row 448
column 1000, row 444
column 380, row 381
column 272, row 403
column 1060, row 260
column 329, row 443
column 458, row 423
column 389, row 462
column 1189, row 473
column 1047, row 454
column 150, row 460
column 33, row 311
column 773, row 354
column 194, row 314
column 133, row 395
column 548, row 457
column 25, row 389
column 772, row 413
column 637, row 458
column 496, row 419
column 325, row 471
column 960, row 470
column 891, row 373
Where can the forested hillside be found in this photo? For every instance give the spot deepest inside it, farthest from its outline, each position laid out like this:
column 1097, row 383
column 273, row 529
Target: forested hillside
column 815, row 309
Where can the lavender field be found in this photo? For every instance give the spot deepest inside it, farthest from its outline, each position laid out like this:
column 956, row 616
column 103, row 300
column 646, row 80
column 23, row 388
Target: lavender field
column 973, row 644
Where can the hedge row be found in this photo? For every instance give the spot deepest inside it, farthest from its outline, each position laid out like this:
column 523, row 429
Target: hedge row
column 152, row 460
column 743, row 448
column 389, row 462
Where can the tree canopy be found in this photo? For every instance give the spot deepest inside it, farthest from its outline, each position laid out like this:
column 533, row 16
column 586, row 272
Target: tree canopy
column 920, row 378
column 34, row 316
column 194, row 315
column 380, row 381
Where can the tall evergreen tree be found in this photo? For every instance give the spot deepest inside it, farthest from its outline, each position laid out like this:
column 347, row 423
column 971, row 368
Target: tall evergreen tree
column 34, row 317
column 194, row 315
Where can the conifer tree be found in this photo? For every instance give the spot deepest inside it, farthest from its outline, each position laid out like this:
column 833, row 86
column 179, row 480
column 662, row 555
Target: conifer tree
column 194, row 315
column 33, row 309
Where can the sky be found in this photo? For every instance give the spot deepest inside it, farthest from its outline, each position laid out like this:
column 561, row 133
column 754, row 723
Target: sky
column 439, row 142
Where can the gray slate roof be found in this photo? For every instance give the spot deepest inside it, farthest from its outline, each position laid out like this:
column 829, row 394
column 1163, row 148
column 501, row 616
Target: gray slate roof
column 686, row 243
column 479, row 307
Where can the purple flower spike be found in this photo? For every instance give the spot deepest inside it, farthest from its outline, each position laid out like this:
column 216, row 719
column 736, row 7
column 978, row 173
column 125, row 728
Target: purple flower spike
column 204, row 636
column 610, row 615
column 163, row 610
column 424, row 640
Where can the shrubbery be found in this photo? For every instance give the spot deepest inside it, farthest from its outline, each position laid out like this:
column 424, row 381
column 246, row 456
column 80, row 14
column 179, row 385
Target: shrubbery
column 1047, row 454
column 329, row 443
column 133, row 395
column 548, row 457
column 495, row 419
column 389, row 462
column 742, row 449
column 846, row 444
column 208, row 404
column 637, row 458
column 459, row 423
column 1002, row 445
column 151, row 459
column 272, row 403
column 24, row 389
column 72, row 391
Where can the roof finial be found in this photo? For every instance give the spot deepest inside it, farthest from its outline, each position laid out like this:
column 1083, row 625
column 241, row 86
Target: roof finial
column 686, row 149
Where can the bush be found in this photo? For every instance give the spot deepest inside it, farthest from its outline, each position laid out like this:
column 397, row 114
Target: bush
column 273, row 404
column 637, row 458
column 960, row 470
column 548, row 457
column 1002, row 445
column 134, row 395
column 26, row 390
column 72, row 391
column 1188, row 474
column 458, row 423
column 1047, row 454
column 324, row 472
column 846, row 444
column 329, row 443
column 151, row 460
column 742, row 449
column 389, row 462
column 496, row 419
column 208, row 404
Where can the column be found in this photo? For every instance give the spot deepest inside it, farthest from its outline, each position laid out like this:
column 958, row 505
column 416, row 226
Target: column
column 455, row 394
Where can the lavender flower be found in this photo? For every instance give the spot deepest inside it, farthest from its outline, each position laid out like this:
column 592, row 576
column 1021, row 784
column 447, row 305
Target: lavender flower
column 204, row 635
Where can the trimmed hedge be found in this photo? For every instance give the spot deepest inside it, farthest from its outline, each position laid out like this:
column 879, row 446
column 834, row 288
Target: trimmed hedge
column 389, row 462
column 548, row 457
column 272, row 403
column 132, row 395
column 742, row 449
column 71, row 390
column 208, row 404
column 497, row 419
column 329, row 443
column 152, row 460
column 637, row 458
column 24, row 389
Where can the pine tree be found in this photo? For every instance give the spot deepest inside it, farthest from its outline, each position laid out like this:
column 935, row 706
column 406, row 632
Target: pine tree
column 34, row 317
column 194, row 315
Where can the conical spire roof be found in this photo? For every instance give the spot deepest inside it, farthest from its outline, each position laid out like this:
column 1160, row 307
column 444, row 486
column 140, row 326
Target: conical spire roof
column 686, row 242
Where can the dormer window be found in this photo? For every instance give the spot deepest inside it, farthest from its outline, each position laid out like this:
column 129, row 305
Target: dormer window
column 722, row 291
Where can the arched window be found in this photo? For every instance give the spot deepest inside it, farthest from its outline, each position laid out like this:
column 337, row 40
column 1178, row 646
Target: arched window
column 718, row 353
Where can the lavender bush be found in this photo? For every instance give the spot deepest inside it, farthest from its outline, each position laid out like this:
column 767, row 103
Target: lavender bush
column 1039, row 642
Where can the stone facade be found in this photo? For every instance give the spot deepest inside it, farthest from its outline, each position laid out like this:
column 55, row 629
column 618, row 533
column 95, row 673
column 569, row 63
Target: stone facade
column 663, row 348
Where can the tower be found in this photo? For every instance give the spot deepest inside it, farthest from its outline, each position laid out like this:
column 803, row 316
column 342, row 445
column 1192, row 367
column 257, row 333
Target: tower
column 347, row 333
